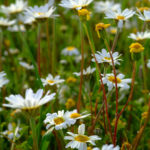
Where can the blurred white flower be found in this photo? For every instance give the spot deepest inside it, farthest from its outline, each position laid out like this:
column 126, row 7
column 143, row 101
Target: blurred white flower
column 88, row 71
column 110, row 147
column 6, row 23
column 26, row 65
column 3, row 79
column 106, row 6
column 15, row 8
column 148, row 64
column 70, row 50
column 31, row 101
column 75, row 4
column 145, row 16
column 139, row 36
column 50, row 80
column 104, row 57
column 26, row 19
column 80, row 140
column 16, row 28
column 109, row 79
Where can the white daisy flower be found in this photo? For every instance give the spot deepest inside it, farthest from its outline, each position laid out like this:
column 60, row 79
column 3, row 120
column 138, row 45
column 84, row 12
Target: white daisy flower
column 42, row 12
column 26, row 19
column 50, row 80
column 58, row 120
column 70, row 50
column 31, row 101
column 26, row 65
column 109, row 79
column 88, row 71
column 17, row 28
column 3, row 79
column 119, row 15
column 80, row 140
column 15, row 8
column 148, row 64
column 110, row 147
column 145, row 16
column 6, row 23
column 75, row 4
column 106, row 6
column 139, row 36
column 104, row 57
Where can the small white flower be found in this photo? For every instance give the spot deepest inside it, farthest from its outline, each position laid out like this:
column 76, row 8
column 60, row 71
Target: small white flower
column 109, row 79
column 145, row 16
column 58, row 120
column 148, row 64
column 42, row 12
column 25, row 65
column 50, row 80
column 70, row 50
column 6, row 23
column 31, row 101
column 139, row 36
column 17, row 28
column 75, row 4
column 3, row 79
column 110, row 147
column 26, row 19
column 104, row 57
column 17, row 7
column 119, row 15
column 80, row 140
column 88, row 71
column 106, row 6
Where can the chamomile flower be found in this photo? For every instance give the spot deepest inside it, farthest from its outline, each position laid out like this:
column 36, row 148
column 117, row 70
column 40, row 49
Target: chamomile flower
column 80, row 140
column 15, row 8
column 145, row 16
column 109, row 79
column 26, row 65
column 58, row 120
column 70, row 50
column 6, row 23
column 42, row 12
column 75, row 4
column 26, row 19
column 50, row 80
column 16, row 28
column 104, row 57
column 31, row 101
column 139, row 36
column 110, row 147
column 87, row 71
column 106, row 6
column 148, row 64
column 3, row 79
column 119, row 15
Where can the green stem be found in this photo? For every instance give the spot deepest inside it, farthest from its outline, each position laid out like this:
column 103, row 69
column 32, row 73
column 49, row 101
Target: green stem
column 1, row 42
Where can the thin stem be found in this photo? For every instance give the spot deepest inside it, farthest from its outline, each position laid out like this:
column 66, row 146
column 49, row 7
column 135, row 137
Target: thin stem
column 115, row 40
column 82, row 66
column 1, row 43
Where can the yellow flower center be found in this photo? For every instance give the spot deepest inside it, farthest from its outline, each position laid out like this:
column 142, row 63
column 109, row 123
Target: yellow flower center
column 136, row 48
column 112, row 79
column 143, row 8
column 113, row 31
column 75, row 115
column 89, row 148
column 59, row 120
column 9, row 132
column 70, row 48
column 120, row 17
column 107, row 58
column 40, row 13
column 50, row 81
column 81, row 138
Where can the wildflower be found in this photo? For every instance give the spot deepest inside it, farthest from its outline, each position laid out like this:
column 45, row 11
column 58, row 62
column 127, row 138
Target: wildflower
column 106, row 6
column 84, row 12
column 26, row 19
column 126, row 146
column 80, row 140
column 90, row 148
column 145, row 16
column 139, row 36
column 136, row 48
column 148, row 64
column 100, row 26
column 141, row 9
column 110, row 147
column 50, row 80
column 16, row 28
column 144, row 115
column 3, row 79
column 109, row 79
column 42, row 12
column 70, row 103
column 75, row 4
column 88, row 71
column 15, row 8
column 71, row 80
column 58, row 120
column 104, row 57
column 70, row 50
column 112, row 30
column 4, row 23
column 25, row 65
column 119, row 15
column 31, row 100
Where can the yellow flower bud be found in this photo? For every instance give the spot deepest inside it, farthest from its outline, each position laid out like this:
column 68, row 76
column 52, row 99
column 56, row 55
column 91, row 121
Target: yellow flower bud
column 136, row 48
column 84, row 12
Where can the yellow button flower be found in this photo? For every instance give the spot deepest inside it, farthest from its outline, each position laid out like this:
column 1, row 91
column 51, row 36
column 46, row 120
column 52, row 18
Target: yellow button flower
column 84, row 12
column 136, row 48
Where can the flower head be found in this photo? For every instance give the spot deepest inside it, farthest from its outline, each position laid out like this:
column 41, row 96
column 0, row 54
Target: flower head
column 31, row 101
column 84, row 12
column 80, row 140
column 3, row 79
column 110, row 147
column 145, row 16
column 6, row 23
column 70, row 50
column 70, row 103
column 26, row 65
column 136, row 48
